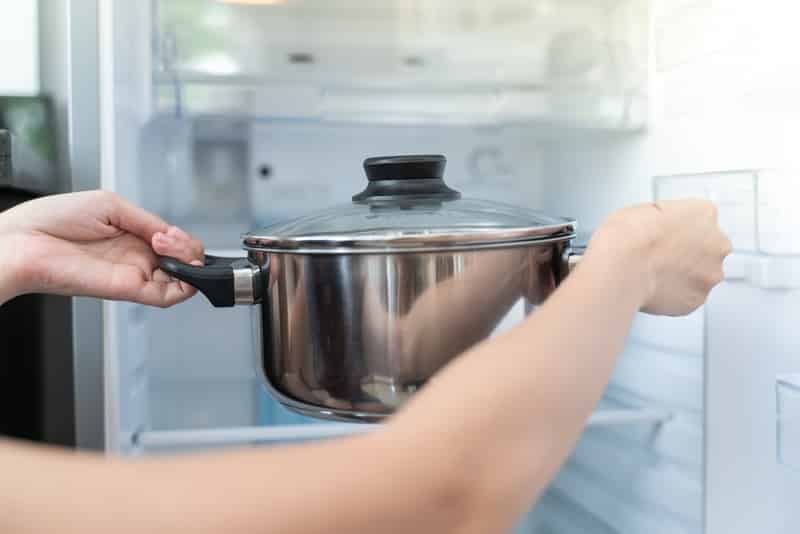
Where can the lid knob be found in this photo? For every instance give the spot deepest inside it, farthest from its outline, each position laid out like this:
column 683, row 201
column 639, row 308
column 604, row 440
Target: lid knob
column 405, row 167
column 406, row 179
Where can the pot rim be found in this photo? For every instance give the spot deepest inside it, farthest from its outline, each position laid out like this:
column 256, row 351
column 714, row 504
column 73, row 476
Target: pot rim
column 410, row 242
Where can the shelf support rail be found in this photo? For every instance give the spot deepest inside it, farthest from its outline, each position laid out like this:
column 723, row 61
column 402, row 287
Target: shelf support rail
column 177, row 439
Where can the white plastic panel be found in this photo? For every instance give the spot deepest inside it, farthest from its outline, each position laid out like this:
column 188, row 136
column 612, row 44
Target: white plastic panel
column 766, row 272
column 312, row 166
column 674, row 380
column 614, row 506
column 671, row 334
column 565, row 516
column 679, row 441
column 645, row 478
column 198, row 404
column 198, row 342
column 642, row 475
column 196, row 169
column 749, row 489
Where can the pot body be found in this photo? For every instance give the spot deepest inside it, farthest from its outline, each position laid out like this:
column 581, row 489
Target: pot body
column 353, row 336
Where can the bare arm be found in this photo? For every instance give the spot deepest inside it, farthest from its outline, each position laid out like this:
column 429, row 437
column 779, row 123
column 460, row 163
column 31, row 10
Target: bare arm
column 410, row 476
column 470, row 452
column 91, row 244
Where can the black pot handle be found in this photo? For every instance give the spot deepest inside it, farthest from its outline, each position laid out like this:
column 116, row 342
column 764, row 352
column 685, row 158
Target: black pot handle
column 224, row 281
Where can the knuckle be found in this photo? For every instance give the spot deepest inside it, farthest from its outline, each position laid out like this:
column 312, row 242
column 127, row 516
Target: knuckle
column 110, row 199
column 106, row 196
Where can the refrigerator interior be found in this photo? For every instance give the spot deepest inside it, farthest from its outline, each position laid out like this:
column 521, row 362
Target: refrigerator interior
column 220, row 131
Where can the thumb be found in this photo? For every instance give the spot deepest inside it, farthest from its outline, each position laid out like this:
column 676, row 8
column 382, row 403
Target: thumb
column 185, row 250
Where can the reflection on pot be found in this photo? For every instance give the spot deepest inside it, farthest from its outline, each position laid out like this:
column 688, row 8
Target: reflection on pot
column 365, row 332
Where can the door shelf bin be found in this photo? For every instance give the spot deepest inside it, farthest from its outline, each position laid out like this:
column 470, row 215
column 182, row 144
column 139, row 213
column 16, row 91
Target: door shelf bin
column 756, row 208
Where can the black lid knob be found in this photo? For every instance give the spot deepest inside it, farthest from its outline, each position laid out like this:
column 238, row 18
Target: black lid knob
column 406, row 178
column 405, row 167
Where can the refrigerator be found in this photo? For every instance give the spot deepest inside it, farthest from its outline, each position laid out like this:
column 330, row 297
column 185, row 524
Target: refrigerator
column 225, row 115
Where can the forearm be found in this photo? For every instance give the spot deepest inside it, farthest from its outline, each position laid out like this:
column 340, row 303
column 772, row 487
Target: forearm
column 363, row 484
column 511, row 409
column 46, row 490
column 469, row 454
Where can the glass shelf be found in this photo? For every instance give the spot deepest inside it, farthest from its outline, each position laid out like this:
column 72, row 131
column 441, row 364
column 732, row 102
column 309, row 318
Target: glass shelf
column 155, row 440
column 574, row 63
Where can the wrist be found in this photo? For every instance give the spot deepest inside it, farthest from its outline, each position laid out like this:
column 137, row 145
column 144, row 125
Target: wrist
column 619, row 255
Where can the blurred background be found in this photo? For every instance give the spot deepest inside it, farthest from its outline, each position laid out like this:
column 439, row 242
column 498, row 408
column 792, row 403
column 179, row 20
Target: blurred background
column 223, row 116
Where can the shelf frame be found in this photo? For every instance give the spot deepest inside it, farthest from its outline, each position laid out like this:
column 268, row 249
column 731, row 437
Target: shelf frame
column 255, row 435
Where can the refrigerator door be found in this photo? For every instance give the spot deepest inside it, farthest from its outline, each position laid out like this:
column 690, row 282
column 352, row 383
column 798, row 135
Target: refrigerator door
column 752, row 432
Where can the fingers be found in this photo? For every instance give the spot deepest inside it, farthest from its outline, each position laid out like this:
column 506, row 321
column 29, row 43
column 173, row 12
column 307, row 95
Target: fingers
column 163, row 294
column 160, row 290
column 163, row 290
column 161, row 276
column 127, row 282
column 133, row 219
column 195, row 246
column 177, row 244
column 165, row 239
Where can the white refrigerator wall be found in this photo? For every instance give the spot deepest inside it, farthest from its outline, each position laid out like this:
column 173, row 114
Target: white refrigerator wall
column 723, row 106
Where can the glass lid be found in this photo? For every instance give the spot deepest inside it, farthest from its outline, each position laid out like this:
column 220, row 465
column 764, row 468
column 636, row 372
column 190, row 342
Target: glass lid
column 407, row 206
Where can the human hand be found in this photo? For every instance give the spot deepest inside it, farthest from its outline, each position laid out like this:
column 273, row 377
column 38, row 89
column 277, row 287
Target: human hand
column 94, row 244
column 674, row 250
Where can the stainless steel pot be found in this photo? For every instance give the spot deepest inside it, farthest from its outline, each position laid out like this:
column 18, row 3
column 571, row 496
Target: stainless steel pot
column 359, row 305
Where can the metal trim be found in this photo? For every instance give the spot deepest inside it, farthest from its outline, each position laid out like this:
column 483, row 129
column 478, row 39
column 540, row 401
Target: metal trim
column 405, row 239
column 70, row 74
column 357, row 248
column 244, row 284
